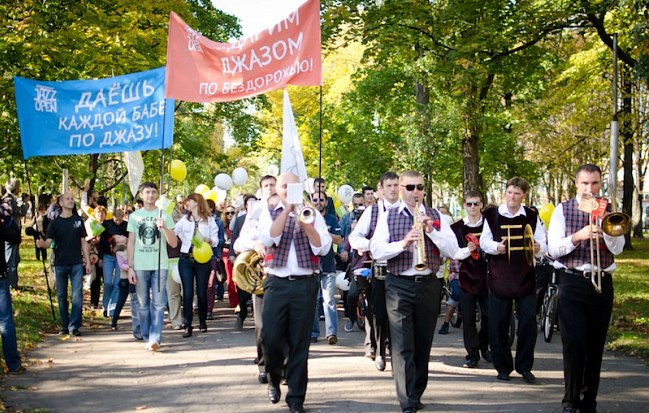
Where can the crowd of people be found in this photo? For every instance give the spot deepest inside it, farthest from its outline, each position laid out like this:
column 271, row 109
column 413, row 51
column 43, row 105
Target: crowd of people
column 393, row 249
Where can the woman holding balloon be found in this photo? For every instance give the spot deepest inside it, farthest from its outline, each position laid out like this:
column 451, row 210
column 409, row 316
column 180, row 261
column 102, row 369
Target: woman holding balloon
column 197, row 231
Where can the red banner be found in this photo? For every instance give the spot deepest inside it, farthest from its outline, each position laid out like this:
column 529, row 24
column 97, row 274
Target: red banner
column 202, row 70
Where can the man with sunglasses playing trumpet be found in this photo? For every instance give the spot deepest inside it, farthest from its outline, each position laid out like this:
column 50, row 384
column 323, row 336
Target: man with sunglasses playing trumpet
column 412, row 238
column 584, row 312
column 507, row 238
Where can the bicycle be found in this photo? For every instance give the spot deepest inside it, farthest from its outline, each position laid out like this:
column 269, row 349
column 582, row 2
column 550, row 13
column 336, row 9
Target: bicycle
column 549, row 309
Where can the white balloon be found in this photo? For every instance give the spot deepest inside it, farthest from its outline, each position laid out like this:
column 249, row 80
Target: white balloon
column 223, row 181
column 273, row 170
column 221, row 194
column 239, row 176
column 345, row 194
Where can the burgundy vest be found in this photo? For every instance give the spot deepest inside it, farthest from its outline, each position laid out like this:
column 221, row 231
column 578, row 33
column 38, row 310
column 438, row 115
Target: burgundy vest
column 278, row 255
column 399, row 224
column 510, row 276
column 576, row 220
column 472, row 272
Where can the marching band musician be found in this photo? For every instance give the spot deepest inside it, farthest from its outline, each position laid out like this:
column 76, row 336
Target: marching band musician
column 290, row 289
column 359, row 240
column 512, row 278
column 412, row 296
column 248, row 240
column 473, row 281
column 584, row 313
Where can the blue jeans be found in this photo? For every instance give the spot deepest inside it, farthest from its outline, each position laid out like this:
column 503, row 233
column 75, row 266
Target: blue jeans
column 328, row 291
column 8, row 328
column 135, row 317
column 12, row 255
column 152, row 306
column 69, row 320
column 111, row 279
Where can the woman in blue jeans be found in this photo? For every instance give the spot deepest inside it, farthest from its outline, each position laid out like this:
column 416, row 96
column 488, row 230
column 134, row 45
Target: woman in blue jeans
column 196, row 223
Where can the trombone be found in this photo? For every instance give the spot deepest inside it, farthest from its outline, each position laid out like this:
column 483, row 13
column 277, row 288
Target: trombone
column 614, row 224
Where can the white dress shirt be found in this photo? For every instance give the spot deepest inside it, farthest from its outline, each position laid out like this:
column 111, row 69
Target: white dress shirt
column 249, row 234
column 490, row 246
column 559, row 244
column 383, row 250
column 184, row 229
column 292, row 267
column 358, row 237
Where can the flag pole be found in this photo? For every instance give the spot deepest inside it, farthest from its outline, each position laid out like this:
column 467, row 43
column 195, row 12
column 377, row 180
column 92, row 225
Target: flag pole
column 320, row 139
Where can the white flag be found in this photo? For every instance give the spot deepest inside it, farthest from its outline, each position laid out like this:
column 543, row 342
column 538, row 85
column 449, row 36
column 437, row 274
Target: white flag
column 292, row 158
column 135, row 168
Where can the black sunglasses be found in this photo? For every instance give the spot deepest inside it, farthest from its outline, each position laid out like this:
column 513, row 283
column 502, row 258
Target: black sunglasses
column 411, row 187
column 229, row 213
column 475, row 204
column 318, row 200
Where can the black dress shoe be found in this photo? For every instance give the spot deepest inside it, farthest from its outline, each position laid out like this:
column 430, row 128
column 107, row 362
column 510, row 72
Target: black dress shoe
column 419, row 406
column 274, row 393
column 408, row 410
column 203, row 328
column 188, row 332
column 503, row 376
column 380, row 363
column 569, row 410
column 528, row 377
column 297, row 409
column 262, row 378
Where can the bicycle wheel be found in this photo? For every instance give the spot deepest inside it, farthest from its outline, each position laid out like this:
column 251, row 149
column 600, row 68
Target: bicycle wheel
column 549, row 318
column 512, row 329
column 361, row 309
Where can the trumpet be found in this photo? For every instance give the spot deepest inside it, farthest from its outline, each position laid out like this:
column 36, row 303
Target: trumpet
column 420, row 247
column 306, row 212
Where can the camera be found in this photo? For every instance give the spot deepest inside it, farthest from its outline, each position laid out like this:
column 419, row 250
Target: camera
column 357, row 212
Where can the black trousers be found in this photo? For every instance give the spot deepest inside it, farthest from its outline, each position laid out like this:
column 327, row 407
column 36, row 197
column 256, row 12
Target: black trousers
column 412, row 309
column 287, row 317
column 500, row 313
column 257, row 310
column 475, row 342
column 380, row 327
column 584, row 316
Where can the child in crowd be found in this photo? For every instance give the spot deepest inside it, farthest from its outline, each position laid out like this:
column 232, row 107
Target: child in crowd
column 118, row 244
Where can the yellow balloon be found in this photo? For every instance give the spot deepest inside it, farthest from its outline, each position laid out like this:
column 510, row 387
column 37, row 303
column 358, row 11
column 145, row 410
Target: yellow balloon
column 545, row 213
column 178, row 170
column 201, row 189
column 209, row 194
column 202, row 253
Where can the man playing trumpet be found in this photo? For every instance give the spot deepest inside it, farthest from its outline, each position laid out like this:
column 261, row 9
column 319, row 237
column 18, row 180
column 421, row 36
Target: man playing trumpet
column 411, row 238
column 584, row 312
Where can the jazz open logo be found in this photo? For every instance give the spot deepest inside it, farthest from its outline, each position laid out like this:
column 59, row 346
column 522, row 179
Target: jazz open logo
column 45, row 99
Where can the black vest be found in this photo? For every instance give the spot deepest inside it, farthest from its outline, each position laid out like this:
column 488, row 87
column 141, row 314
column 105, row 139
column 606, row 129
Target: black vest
column 510, row 276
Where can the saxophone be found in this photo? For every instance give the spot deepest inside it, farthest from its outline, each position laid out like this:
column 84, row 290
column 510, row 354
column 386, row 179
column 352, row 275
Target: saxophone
column 420, row 246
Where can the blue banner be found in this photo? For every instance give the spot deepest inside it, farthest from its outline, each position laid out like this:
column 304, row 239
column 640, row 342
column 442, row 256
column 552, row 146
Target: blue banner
column 118, row 114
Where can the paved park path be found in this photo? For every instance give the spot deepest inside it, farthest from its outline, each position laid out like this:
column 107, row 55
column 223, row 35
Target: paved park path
column 107, row 371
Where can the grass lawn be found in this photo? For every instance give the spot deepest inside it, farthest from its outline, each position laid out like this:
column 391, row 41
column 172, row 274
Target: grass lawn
column 629, row 331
